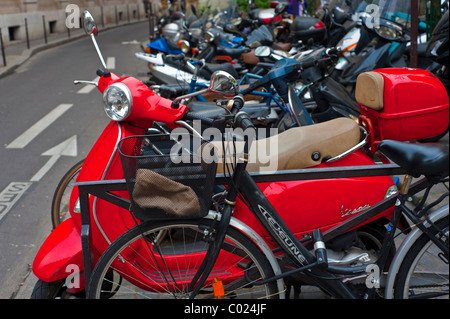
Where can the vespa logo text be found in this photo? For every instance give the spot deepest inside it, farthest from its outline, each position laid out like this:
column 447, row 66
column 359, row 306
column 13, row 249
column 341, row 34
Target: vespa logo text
column 347, row 212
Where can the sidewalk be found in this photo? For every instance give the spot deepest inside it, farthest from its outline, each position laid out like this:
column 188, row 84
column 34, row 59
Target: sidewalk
column 17, row 53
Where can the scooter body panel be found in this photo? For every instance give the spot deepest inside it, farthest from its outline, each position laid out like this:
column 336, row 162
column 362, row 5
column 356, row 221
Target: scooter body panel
column 61, row 249
column 108, row 221
column 306, row 205
column 63, row 246
column 161, row 45
column 103, row 163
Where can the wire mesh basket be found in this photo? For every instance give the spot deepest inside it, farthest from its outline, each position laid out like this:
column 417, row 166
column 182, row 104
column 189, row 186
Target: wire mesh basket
column 167, row 176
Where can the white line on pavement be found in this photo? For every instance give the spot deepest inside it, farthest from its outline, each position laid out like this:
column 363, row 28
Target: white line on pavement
column 88, row 87
column 27, row 136
column 111, row 63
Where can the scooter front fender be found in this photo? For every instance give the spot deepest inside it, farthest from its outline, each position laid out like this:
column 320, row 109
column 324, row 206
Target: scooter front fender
column 60, row 254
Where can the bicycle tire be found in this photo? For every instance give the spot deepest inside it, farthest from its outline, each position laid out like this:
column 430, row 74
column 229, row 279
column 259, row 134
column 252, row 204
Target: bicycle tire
column 60, row 202
column 152, row 275
column 413, row 280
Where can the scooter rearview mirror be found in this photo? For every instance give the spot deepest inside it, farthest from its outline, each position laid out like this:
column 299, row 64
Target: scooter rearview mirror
column 221, row 83
column 91, row 29
column 224, row 84
column 280, row 8
column 263, row 51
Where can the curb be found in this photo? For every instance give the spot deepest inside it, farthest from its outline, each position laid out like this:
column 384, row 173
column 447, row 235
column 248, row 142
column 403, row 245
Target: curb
column 28, row 53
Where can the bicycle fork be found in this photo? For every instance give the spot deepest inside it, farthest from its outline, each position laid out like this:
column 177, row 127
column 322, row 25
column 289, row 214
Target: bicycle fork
column 216, row 243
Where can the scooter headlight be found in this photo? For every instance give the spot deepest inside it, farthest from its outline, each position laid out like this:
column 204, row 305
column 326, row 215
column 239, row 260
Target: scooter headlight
column 118, row 101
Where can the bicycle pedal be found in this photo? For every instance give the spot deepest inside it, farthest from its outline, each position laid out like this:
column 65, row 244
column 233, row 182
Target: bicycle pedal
column 319, row 248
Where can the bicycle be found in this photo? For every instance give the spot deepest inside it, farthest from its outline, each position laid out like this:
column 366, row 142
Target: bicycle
column 222, row 257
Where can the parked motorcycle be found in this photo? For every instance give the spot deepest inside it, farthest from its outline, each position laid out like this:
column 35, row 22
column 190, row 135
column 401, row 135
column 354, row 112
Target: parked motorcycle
column 384, row 50
column 438, row 48
column 323, row 97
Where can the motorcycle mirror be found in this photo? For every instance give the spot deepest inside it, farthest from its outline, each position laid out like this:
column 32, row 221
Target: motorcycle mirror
column 91, row 29
column 263, row 51
column 280, row 8
column 208, row 36
column 221, row 83
column 224, row 84
column 389, row 30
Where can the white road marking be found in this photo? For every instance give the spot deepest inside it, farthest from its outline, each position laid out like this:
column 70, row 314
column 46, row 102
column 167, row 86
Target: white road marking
column 10, row 195
column 27, row 136
column 66, row 148
column 111, row 63
column 87, row 88
column 131, row 42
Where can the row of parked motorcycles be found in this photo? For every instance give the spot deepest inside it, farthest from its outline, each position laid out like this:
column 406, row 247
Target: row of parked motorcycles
column 331, row 51
column 303, row 72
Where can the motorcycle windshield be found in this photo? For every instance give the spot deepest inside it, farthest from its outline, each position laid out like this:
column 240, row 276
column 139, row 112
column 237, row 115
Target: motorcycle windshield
column 223, row 12
column 398, row 11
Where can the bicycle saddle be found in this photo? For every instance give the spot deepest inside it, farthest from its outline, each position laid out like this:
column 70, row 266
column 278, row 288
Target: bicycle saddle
column 430, row 160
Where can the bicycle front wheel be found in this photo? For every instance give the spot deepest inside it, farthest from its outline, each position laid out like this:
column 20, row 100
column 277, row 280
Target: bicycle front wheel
column 160, row 259
column 424, row 271
column 61, row 197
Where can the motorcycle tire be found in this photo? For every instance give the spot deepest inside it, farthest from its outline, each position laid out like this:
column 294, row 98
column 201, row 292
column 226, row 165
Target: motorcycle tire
column 53, row 290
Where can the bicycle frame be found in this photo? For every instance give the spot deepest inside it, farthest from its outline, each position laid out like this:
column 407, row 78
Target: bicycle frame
column 268, row 216
column 298, row 253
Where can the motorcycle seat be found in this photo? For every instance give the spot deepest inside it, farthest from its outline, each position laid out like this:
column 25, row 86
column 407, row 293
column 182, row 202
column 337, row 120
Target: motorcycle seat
column 430, row 160
column 227, row 67
column 211, row 110
column 173, row 90
column 296, row 148
column 233, row 53
column 369, row 90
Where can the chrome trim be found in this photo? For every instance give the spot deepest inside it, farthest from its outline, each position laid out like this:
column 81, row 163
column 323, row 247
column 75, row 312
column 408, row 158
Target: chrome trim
column 190, row 128
column 354, row 148
column 123, row 87
column 94, row 204
column 85, row 82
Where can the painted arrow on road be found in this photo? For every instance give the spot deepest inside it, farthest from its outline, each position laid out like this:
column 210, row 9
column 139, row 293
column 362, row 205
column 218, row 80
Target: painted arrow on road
column 66, row 148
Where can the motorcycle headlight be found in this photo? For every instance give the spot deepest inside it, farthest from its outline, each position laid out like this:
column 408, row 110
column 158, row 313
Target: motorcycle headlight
column 118, row 101
column 184, row 46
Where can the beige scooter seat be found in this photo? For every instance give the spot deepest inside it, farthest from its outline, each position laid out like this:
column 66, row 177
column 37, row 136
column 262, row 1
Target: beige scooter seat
column 295, row 148
column 369, row 90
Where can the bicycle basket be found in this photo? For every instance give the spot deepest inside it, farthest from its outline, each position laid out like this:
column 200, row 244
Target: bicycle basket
column 166, row 177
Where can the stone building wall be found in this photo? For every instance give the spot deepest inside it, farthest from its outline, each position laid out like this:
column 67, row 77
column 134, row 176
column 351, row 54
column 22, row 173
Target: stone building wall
column 15, row 15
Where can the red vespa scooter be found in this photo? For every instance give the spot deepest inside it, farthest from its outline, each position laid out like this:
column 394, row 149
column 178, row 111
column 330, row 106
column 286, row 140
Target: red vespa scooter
column 133, row 107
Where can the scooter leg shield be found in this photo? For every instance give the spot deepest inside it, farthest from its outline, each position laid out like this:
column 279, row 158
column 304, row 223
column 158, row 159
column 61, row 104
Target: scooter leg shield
column 60, row 256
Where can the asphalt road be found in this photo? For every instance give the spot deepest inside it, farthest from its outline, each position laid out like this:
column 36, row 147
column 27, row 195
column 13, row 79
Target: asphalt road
column 47, row 124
